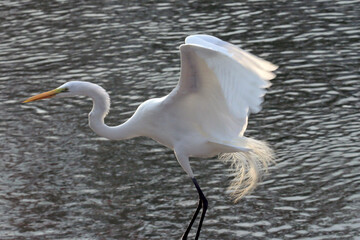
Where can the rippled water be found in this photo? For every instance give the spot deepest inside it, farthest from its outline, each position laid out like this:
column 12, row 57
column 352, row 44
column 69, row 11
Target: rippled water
column 61, row 181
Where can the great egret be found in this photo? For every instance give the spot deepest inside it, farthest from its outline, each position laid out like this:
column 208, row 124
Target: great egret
column 205, row 115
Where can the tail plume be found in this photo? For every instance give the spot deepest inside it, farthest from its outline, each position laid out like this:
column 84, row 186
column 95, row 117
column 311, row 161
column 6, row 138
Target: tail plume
column 248, row 167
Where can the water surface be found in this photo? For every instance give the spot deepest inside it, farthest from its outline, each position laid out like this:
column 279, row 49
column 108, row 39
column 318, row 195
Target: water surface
column 61, row 181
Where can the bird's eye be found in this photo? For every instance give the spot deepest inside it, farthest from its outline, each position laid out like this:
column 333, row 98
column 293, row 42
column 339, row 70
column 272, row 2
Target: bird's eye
column 65, row 90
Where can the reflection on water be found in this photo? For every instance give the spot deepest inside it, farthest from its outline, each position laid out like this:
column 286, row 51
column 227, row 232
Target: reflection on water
column 61, row 181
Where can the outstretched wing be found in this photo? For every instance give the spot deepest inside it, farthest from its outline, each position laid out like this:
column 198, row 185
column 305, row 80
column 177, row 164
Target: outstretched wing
column 220, row 84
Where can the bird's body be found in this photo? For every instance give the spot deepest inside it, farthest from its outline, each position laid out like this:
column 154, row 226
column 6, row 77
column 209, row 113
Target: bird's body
column 156, row 118
column 205, row 115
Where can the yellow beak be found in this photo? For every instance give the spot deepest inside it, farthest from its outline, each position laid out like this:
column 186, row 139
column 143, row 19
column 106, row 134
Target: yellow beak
column 44, row 95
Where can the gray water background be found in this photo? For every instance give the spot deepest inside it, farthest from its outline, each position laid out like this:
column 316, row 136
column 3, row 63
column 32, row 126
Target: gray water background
column 58, row 180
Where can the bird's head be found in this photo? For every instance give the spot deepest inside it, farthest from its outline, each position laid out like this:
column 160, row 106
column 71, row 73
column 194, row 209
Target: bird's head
column 69, row 89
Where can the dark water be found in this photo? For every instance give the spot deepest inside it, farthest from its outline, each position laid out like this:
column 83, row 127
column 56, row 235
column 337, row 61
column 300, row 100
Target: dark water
column 58, row 180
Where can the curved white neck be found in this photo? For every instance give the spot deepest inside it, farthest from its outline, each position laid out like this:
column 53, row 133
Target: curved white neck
column 101, row 106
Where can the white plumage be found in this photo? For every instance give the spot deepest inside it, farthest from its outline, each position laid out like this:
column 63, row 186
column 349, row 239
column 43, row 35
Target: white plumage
column 206, row 114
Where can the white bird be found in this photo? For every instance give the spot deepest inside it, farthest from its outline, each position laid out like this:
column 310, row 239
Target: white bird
column 205, row 115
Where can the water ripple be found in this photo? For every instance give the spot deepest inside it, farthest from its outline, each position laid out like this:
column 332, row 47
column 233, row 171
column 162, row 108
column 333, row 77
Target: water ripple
column 61, row 181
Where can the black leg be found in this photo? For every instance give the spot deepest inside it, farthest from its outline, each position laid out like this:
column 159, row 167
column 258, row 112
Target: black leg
column 203, row 203
column 204, row 207
column 184, row 237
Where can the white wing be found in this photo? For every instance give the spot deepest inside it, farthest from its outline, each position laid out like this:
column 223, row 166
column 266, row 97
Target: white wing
column 220, row 84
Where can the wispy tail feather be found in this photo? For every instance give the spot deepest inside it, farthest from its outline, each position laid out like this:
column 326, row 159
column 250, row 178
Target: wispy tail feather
column 248, row 167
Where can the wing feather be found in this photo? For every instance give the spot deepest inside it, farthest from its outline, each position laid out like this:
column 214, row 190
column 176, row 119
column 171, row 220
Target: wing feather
column 220, row 84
